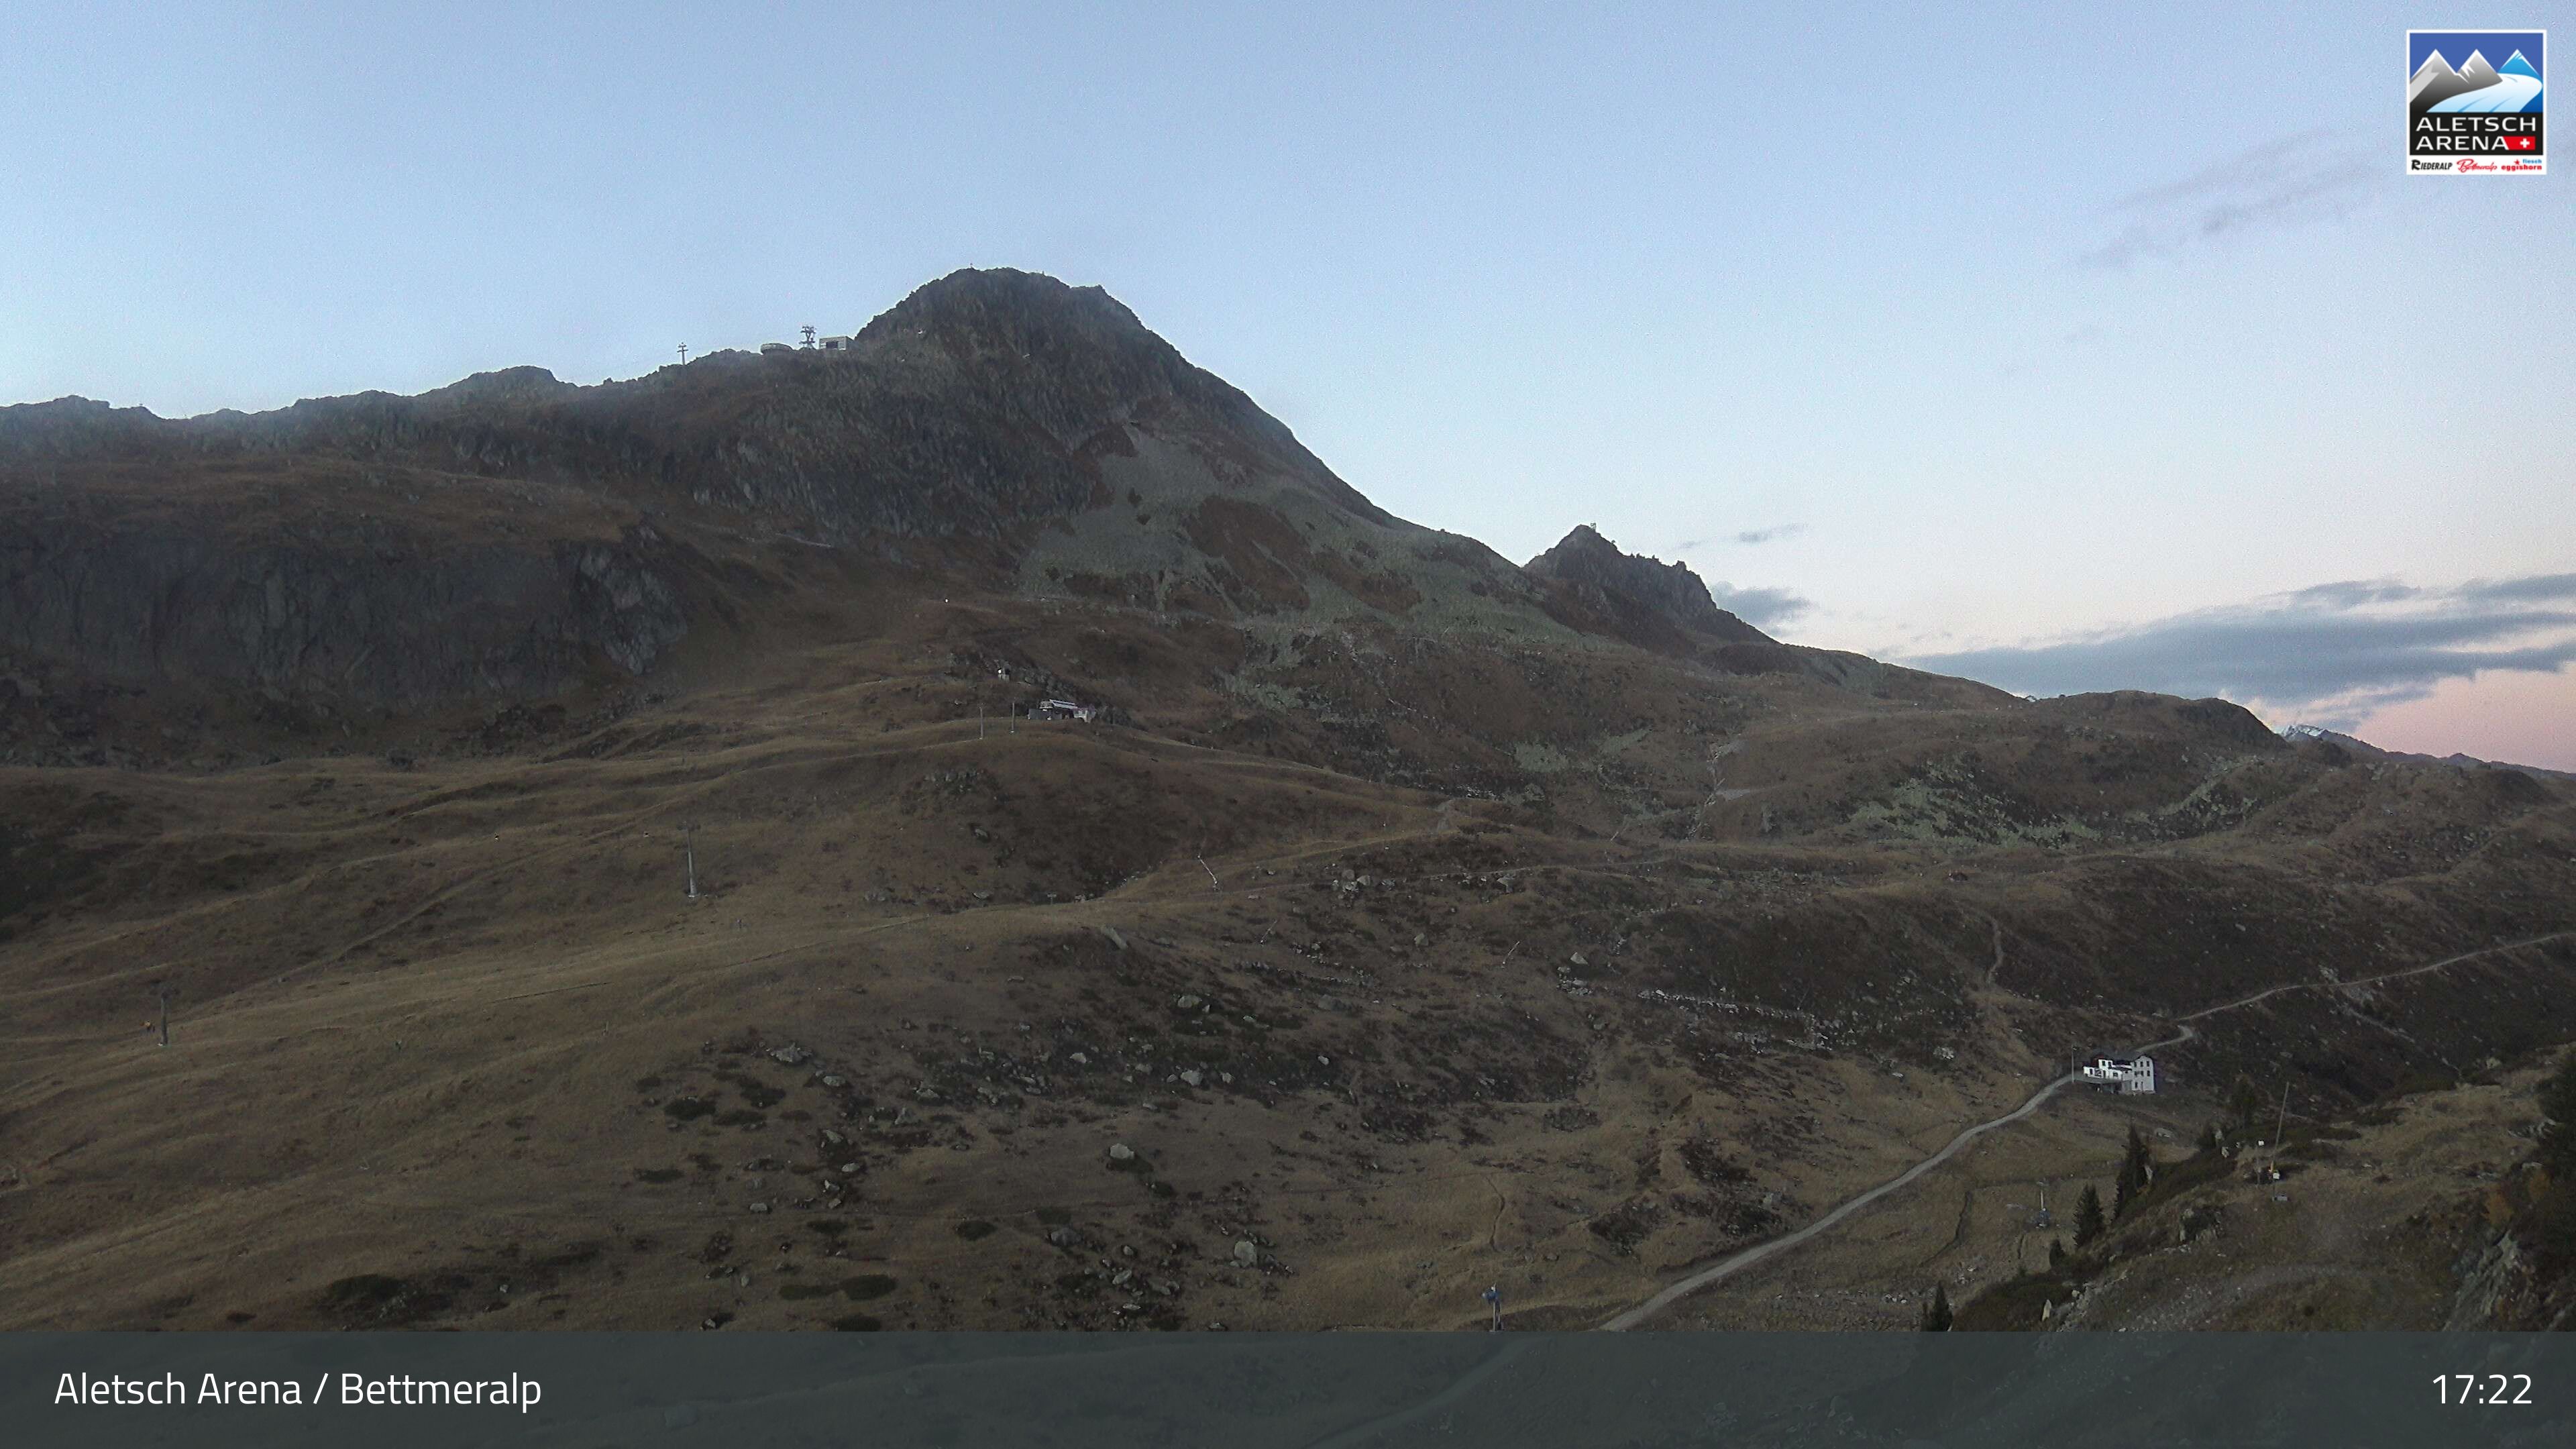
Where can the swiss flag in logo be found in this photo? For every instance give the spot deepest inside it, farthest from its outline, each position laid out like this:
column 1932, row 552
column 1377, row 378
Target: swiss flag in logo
column 2521, row 143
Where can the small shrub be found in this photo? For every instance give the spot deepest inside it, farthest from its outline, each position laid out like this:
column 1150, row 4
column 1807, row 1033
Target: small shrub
column 365, row 1290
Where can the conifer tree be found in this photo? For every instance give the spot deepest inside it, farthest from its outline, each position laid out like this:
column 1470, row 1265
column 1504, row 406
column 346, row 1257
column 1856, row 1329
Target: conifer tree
column 2558, row 1138
column 2246, row 1104
column 2088, row 1216
column 2139, row 1155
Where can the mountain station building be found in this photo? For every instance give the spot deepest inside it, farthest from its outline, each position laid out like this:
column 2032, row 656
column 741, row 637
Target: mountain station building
column 2129, row 1076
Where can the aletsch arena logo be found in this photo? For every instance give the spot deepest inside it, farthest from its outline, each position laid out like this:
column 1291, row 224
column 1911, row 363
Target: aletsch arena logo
column 2473, row 103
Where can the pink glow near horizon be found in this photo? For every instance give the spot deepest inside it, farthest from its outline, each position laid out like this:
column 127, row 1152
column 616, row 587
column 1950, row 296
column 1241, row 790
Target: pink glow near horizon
column 2511, row 718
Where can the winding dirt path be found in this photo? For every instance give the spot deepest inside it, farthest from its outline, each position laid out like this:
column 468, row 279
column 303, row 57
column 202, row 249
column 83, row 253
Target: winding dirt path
column 1729, row 1266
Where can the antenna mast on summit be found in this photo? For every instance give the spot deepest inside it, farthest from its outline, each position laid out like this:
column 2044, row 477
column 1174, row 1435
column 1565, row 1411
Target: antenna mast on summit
column 808, row 330
column 684, row 354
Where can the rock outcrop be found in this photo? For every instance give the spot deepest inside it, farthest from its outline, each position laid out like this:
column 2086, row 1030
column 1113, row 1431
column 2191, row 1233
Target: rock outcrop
column 1636, row 589
column 374, row 612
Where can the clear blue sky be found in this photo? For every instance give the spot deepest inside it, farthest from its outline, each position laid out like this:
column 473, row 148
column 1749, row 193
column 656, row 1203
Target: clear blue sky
column 2041, row 340
column 2456, row 46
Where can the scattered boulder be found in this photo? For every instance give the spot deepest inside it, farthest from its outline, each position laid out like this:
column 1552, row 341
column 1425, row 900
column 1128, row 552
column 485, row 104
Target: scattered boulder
column 1191, row 1079
column 1247, row 1253
column 1121, row 1152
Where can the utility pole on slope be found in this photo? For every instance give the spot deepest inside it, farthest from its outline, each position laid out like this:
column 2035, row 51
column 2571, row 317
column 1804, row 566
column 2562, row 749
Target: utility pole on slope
column 162, row 991
column 684, row 354
column 689, row 846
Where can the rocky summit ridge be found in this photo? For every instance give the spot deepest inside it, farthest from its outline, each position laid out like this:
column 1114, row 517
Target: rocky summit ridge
column 511, row 536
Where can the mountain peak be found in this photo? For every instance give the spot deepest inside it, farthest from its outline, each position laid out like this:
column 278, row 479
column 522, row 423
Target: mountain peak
column 2518, row 66
column 1586, row 561
column 999, row 307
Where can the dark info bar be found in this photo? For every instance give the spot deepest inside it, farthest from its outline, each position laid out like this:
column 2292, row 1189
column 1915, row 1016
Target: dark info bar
column 1281, row 1391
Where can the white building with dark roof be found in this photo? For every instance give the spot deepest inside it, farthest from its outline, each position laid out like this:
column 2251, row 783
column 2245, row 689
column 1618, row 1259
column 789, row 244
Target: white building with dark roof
column 2130, row 1076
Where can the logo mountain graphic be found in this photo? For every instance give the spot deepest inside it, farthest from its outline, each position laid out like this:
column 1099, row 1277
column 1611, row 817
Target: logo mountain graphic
column 2475, row 87
column 2434, row 83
